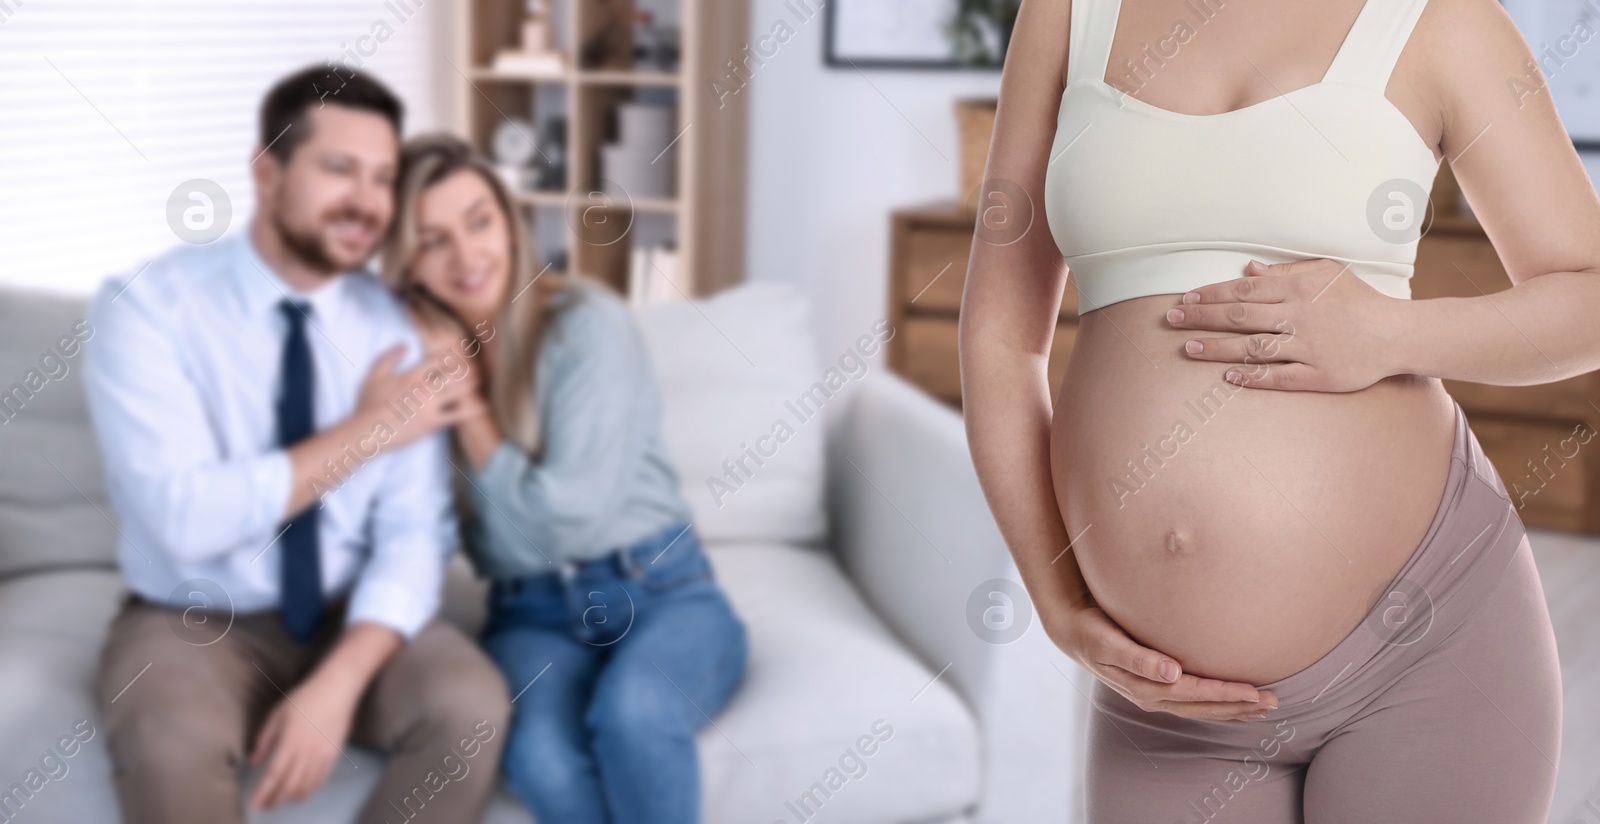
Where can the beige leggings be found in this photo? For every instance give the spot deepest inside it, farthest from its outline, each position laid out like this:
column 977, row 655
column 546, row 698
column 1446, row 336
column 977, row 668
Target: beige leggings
column 1443, row 706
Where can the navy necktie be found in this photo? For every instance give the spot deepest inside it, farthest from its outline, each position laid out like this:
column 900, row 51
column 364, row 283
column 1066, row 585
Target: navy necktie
column 301, row 572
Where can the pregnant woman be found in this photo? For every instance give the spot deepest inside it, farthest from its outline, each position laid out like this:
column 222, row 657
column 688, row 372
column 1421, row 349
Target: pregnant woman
column 1304, row 592
column 604, row 615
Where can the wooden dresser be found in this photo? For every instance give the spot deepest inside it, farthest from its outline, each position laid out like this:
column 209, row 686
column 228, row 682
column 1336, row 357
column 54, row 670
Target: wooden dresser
column 929, row 246
column 1540, row 438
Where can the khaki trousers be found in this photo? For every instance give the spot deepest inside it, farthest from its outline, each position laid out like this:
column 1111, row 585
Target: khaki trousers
column 184, row 693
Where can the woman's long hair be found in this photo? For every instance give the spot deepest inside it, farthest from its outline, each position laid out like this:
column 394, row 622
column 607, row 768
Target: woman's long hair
column 425, row 161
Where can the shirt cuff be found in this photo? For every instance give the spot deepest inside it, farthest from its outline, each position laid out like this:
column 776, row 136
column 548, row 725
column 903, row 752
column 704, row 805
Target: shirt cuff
column 395, row 607
column 269, row 479
column 502, row 469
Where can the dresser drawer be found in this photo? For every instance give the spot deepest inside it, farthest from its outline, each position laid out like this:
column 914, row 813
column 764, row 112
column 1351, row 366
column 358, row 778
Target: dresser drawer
column 1548, row 469
column 1467, row 266
column 931, row 356
column 1562, row 399
column 1457, row 266
column 934, row 260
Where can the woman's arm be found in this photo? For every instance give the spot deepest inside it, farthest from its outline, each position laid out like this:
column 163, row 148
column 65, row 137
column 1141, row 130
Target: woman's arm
column 602, row 404
column 478, row 439
column 1008, row 317
column 1518, row 169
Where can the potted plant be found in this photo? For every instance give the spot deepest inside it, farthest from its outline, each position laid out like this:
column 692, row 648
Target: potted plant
column 980, row 30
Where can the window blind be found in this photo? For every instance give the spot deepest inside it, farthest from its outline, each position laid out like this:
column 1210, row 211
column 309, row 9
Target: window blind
column 107, row 107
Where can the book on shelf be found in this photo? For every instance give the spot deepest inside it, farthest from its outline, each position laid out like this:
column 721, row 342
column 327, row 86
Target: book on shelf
column 549, row 63
column 654, row 275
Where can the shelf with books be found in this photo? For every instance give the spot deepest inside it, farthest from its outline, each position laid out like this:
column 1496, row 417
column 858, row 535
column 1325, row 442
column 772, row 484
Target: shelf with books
column 606, row 99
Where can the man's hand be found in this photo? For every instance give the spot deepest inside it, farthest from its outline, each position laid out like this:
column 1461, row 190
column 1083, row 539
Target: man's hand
column 394, row 409
column 300, row 741
column 440, row 391
column 305, row 733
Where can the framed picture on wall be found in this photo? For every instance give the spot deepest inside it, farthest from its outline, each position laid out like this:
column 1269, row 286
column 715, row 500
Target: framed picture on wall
column 918, row 34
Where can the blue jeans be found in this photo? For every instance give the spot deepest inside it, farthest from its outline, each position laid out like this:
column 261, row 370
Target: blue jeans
column 615, row 664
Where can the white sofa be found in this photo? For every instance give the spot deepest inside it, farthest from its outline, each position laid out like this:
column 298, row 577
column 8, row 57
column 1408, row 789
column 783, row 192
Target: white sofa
column 852, row 554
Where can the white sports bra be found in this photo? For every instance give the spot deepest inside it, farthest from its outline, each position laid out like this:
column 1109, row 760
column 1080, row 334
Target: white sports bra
column 1146, row 201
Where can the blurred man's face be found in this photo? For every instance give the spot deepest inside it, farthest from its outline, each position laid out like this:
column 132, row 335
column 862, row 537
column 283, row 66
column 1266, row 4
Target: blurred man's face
column 331, row 203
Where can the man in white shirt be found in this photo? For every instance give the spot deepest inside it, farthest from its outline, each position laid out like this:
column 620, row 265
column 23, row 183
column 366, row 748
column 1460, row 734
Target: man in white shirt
column 284, row 500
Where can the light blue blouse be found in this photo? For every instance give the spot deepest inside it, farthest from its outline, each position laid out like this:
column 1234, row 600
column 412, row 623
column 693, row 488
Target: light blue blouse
column 604, row 480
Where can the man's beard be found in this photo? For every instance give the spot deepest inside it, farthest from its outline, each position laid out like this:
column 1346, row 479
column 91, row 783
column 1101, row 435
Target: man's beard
column 307, row 247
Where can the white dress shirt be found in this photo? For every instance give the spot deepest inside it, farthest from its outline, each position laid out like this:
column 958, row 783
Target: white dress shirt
column 182, row 382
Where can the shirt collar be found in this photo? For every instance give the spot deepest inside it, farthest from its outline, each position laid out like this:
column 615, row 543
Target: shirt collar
column 261, row 288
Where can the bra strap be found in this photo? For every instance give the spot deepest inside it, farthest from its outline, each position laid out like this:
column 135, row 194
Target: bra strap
column 1373, row 46
column 1089, row 45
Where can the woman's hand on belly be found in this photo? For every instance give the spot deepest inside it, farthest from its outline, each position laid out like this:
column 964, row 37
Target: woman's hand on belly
column 1309, row 326
column 1089, row 636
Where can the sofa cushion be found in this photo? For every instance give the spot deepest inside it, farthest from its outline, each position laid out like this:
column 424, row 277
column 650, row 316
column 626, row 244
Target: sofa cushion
column 824, row 672
column 51, row 489
column 829, row 700
column 52, row 625
column 733, row 370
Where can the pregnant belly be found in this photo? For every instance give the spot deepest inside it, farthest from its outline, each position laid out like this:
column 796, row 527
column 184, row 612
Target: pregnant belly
column 1244, row 532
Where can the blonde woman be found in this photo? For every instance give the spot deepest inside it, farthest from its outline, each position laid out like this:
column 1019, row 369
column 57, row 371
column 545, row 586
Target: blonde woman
column 604, row 615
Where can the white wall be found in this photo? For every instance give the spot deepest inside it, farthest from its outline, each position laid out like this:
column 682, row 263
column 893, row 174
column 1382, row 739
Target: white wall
column 832, row 152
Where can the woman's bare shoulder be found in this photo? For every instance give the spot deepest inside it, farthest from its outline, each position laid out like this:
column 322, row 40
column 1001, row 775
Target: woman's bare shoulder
column 1469, row 54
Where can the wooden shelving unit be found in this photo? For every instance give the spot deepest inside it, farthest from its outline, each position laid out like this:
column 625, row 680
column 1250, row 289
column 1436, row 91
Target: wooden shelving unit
column 704, row 218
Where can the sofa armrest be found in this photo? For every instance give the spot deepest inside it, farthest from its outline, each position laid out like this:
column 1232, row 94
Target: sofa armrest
column 912, row 529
